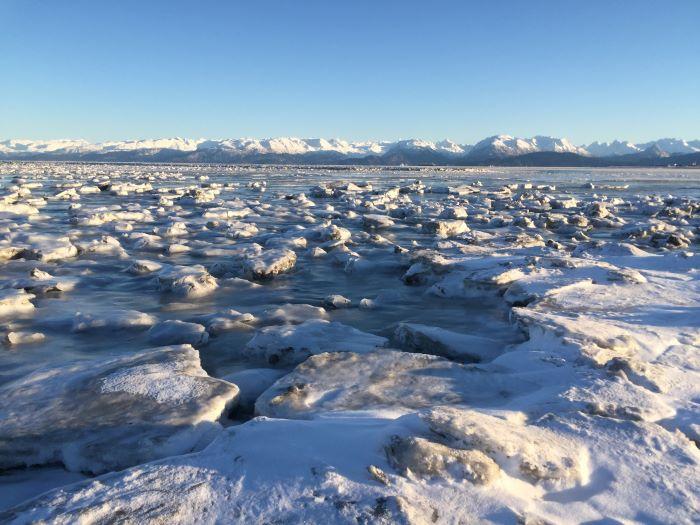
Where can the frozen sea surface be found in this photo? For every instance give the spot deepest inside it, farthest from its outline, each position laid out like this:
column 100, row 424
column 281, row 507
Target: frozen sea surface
column 354, row 344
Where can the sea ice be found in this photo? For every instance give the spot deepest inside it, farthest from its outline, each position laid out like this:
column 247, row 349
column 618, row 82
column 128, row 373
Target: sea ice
column 445, row 343
column 288, row 345
column 270, row 263
column 173, row 332
column 543, row 325
column 382, row 379
column 101, row 415
column 112, row 320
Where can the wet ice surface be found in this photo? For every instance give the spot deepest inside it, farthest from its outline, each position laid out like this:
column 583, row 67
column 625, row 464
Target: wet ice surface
column 418, row 346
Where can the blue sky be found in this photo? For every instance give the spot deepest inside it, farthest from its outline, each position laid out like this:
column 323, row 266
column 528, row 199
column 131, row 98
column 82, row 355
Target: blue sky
column 104, row 70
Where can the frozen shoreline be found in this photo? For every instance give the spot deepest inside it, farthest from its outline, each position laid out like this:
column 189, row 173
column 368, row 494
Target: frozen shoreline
column 559, row 311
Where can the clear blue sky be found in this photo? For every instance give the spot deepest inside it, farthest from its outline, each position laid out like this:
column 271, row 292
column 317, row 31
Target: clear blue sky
column 597, row 69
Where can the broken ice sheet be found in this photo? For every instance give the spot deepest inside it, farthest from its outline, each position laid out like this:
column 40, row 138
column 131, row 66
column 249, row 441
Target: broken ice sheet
column 456, row 344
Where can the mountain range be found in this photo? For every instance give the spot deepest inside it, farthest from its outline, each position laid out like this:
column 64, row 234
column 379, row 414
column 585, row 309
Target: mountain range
column 495, row 150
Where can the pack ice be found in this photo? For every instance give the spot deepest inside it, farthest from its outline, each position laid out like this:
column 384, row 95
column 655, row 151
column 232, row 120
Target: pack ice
column 348, row 345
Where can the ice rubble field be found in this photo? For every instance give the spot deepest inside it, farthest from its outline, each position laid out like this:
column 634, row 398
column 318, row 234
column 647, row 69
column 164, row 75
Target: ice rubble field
column 229, row 344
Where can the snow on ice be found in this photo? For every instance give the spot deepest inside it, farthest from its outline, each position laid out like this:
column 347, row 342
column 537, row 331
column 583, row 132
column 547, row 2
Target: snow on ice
column 407, row 345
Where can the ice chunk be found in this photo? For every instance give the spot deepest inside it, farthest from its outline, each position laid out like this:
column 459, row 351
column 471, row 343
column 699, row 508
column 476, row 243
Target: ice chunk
column 22, row 338
column 453, row 212
column 376, row 221
column 187, row 281
column 288, row 345
column 101, row 415
column 40, row 282
column 173, row 332
column 446, row 228
column 270, row 263
column 337, row 301
column 105, row 245
column 16, row 209
column 47, row 249
column 228, row 320
column 293, row 313
column 15, row 301
column 382, row 379
column 142, row 267
column 112, row 320
column 445, row 343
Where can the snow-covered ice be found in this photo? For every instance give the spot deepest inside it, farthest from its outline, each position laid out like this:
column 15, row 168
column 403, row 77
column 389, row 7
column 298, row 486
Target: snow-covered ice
column 372, row 345
column 95, row 416
column 383, row 379
column 292, row 344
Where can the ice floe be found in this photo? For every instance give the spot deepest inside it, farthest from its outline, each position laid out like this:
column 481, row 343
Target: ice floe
column 288, row 345
column 96, row 416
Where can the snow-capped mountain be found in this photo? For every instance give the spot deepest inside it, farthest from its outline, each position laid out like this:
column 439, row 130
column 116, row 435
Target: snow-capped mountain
column 177, row 144
column 508, row 146
column 293, row 146
column 616, row 147
column 444, row 146
column 495, row 149
column 19, row 146
column 673, row 145
column 452, row 147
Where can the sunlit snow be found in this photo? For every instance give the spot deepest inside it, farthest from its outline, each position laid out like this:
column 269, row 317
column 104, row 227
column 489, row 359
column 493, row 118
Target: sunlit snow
column 221, row 344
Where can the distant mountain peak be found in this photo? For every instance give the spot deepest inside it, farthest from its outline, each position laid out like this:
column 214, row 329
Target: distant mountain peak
column 495, row 148
column 508, row 146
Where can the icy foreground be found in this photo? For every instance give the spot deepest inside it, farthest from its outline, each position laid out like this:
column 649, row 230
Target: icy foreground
column 496, row 346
